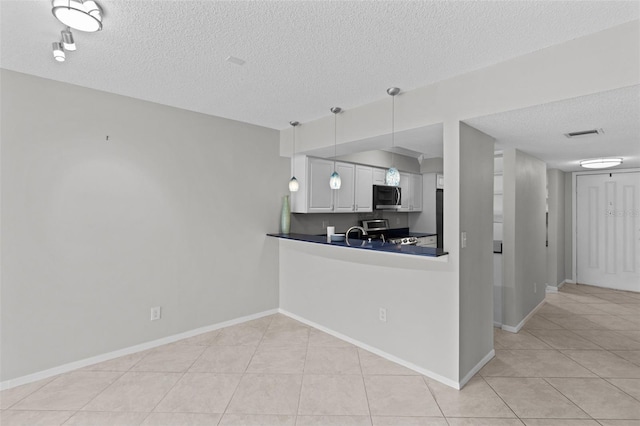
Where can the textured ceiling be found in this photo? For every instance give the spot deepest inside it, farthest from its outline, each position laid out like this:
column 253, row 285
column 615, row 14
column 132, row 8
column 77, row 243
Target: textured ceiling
column 301, row 56
column 539, row 130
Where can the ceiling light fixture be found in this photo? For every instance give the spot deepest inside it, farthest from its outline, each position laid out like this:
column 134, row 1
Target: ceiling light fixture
column 334, row 181
column 78, row 14
column 601, row 163
column 67, row 40
column 293, row 183
column 392, row 177
column 58, row 52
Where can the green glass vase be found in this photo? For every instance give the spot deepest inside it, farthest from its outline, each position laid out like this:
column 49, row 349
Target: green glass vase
column 285, row 216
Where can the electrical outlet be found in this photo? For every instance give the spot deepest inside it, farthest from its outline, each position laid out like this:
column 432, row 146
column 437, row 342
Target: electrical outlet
column 535, row 287
column 463, row 239
column 383, row 314
column 156, row 313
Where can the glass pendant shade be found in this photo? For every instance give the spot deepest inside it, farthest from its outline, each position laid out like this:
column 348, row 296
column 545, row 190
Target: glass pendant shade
column 392, row 177
column 78, row 14
column 294, row 185
column 334, row 181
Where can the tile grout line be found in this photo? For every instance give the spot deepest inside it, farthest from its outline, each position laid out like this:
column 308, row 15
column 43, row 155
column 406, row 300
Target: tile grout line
column 242, row 375
column 501, row 399
column 364, row 385
column 433, row 395
column 304, row 366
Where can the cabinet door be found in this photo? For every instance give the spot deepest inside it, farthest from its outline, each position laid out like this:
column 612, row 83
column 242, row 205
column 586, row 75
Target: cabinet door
column 320, row 194
column 416, row 193
column 379, row 176
column 407, row 198
column 364, row 189
column 345, row 196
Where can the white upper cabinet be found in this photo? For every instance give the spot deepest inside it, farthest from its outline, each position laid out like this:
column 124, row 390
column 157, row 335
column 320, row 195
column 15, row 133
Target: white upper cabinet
column 344, row 198
column 379, row 176
column 411, row 185
column 416, row 193
column 364, row 189
column 320, row 194
column 356, row 191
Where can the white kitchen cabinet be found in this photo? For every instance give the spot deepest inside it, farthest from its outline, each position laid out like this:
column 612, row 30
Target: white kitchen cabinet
column 344, row 198
column 431, row 241
column 364, row 189
column 379, row 176
column 416, row 193
column 315, row 195
column 411, row 185
column 320, row 194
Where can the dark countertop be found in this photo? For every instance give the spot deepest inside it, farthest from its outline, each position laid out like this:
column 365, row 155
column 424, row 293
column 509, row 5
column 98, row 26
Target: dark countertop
column 375, row 245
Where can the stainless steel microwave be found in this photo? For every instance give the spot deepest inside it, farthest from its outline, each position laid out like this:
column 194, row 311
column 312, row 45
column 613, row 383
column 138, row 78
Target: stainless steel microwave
column 387, row 197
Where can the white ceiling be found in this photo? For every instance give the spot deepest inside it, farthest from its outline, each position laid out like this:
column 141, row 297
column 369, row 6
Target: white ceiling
column 301, row 56
column 540, row 130
column 305, row 56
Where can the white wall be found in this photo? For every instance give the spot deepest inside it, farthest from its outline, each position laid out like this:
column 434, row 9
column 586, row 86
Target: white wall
column 343, row 288
column 383, row 159
column 524, row 251
column 171, row 211
column 556, row 229
column 568, row 226
column 476, row 259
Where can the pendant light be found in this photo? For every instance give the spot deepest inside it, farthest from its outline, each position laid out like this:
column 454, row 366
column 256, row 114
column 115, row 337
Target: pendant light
column 293, row 183
column 392, row 177
column 334, row 181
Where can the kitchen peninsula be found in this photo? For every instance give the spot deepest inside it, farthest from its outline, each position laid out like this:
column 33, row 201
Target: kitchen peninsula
column 373, row 245
column 400, row 302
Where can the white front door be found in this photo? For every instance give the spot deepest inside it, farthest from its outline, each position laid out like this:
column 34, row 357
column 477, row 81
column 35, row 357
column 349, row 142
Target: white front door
column 608, row 230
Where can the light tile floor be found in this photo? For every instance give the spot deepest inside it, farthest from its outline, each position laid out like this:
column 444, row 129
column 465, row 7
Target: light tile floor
column 576, row 362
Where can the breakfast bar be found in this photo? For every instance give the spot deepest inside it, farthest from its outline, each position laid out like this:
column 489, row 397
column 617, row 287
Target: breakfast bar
column 400, row 302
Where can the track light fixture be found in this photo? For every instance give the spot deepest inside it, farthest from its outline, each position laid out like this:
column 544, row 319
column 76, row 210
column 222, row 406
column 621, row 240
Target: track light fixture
column 58, row 52
column 67, row 40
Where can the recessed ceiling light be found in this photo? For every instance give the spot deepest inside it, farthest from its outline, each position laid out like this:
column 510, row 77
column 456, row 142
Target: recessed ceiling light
column 601, row 163
column 235, row 60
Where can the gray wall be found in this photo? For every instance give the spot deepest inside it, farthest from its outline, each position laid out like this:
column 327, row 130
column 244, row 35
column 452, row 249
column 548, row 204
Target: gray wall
column 524, row 251
column 556, row 232
column 432, row 165
column 171, row 211
column 378, row 158
column 476, row 260
column 316, row 223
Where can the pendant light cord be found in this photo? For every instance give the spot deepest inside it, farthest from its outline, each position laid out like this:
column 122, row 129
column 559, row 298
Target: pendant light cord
column 335, row 138
column 393, row 127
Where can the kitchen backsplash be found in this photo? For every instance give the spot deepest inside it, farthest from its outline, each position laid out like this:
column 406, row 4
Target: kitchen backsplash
column 316, row 223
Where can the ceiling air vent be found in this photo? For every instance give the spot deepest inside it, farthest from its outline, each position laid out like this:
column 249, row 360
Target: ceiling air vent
column 584, row 133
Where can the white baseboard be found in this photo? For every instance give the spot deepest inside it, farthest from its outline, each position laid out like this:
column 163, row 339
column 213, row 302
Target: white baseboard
column 521, row 324
column 550, row 289
column 392, row 358
column 488, row 357
column 497, row 324
column 65, row 368
column 565, row 282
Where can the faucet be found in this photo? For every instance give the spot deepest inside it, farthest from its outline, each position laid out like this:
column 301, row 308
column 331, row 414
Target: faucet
column 346, row 234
